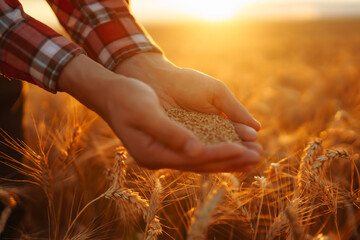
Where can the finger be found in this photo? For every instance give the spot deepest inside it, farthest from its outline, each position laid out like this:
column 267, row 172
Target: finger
column 170, row 133
column 165, row 157
column 246, row 133
column 227, row 103
column 148, row 152
column 238, row 164
column 219, row 154
column 151, row 154
column 216, row 169
column 253, row 146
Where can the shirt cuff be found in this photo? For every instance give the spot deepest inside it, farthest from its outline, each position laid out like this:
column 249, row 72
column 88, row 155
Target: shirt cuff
column 52, row 58
column 33, row 52
column 114, row 41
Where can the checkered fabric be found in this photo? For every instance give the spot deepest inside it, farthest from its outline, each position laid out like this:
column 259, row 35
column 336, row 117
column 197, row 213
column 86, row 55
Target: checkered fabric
column 105, row 28
column 31, row 51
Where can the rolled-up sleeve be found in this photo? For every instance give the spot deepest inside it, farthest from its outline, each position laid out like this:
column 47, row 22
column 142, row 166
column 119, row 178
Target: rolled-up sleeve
column 105, row 29
column 30, row 50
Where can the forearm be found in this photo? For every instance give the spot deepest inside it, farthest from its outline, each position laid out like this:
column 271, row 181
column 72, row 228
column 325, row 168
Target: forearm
column 88, row 82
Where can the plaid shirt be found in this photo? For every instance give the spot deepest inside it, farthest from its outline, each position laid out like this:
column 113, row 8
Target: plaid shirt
column 31, row 51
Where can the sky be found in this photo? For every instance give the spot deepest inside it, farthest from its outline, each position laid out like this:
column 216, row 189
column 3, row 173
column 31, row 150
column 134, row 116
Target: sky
column 175, row 10
column 164, row 11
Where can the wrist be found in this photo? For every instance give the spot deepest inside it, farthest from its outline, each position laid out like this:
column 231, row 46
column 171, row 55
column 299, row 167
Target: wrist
column 87, row 81
column 147, row 67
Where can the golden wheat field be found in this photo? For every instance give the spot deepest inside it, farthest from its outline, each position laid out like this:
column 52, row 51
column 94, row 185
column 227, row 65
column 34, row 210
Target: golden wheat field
column 300, row 79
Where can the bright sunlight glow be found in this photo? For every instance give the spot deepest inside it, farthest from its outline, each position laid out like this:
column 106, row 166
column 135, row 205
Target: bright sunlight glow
column 216, row 10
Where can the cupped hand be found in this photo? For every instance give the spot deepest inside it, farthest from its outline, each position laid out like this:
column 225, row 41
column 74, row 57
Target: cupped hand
column 133, row 111
column 156, row 142
column 192, row 90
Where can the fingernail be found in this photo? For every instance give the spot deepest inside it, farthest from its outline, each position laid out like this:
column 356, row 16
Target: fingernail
column 259, row 124
column 193, row 148
column 252, row 134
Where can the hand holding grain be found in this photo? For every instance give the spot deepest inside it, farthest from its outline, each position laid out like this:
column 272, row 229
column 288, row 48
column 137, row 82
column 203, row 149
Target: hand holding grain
column 133, row 111
column 191, row 90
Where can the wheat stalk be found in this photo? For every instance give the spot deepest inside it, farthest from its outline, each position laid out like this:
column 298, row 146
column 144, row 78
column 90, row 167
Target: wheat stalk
column 9, row 202
column 281, row 223
column 5, row 214
column 201, row 219
column 296, row 230
column 277, row 226
column 261, row 183
column 311, row 152
column 153, row 227
column 316, row 176
column 233, row 195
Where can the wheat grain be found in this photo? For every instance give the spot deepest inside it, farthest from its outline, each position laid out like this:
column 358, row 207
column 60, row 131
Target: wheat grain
column 154, row 229
column 72, row 143
column 209, row 128
column 315, row 169
column 119, row 168
column 130, row 196
column 322, row 162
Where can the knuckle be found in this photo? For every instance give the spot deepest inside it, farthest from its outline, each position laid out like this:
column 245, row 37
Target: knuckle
column 220, row 88
column 220, row 85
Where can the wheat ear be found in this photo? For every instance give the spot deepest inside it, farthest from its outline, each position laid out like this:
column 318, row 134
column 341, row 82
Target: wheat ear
column 296, row 230
column 153, row 226
column 201, row 219
column 311, row 152
column 132, row 197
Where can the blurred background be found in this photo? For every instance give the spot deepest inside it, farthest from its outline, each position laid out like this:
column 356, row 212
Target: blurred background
column 278, row 57
column 165, row 11
column 294, row 64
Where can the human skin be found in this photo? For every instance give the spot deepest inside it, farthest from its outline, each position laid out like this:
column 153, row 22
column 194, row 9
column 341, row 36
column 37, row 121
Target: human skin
column 132, row 100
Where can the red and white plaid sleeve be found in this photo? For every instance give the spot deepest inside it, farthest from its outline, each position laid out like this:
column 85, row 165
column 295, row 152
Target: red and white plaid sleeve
column 104, row 28
column 31, row 51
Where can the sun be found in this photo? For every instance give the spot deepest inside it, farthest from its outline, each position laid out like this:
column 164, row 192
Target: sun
column 216, row 10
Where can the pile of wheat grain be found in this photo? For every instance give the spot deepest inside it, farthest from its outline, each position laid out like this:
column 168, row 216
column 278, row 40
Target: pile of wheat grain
column 209, row 128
